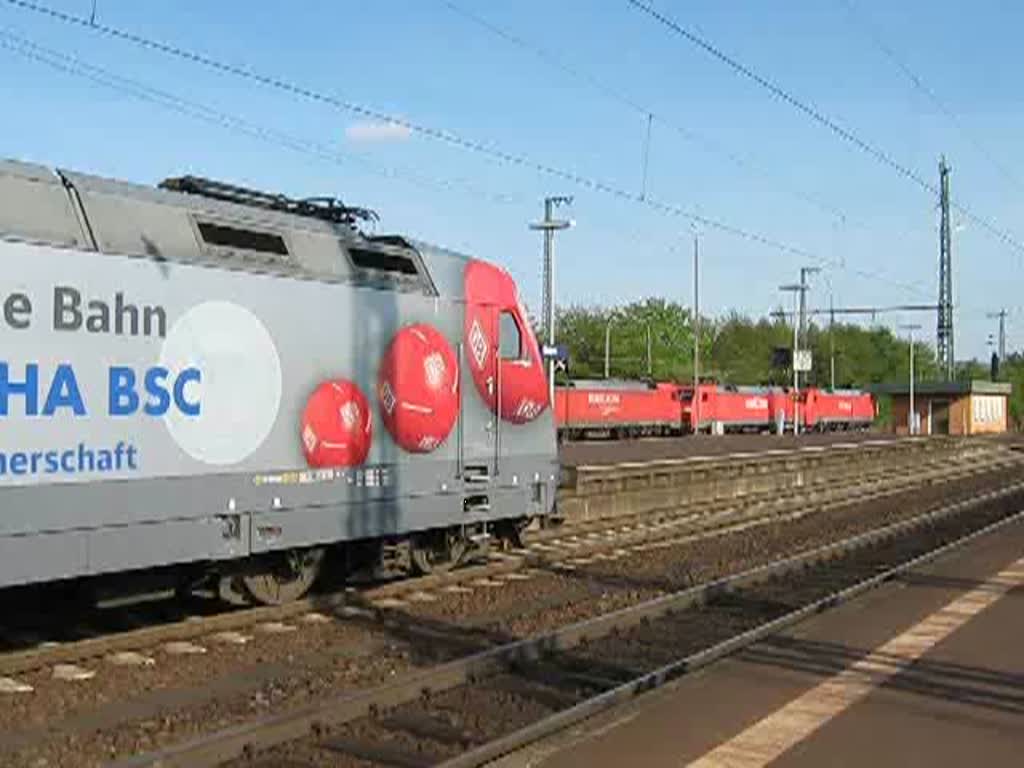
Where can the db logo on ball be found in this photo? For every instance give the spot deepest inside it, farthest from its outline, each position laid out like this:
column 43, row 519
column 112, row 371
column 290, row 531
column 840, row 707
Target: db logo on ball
column 336, row 425
column 418, row 388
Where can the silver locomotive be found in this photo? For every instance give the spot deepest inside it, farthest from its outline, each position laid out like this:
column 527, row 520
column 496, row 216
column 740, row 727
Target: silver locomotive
column 205, row 380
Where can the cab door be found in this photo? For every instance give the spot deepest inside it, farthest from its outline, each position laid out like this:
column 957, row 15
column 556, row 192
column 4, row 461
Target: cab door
column 481, row 359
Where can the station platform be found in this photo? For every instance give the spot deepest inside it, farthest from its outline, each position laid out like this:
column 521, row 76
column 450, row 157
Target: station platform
column 924, row 671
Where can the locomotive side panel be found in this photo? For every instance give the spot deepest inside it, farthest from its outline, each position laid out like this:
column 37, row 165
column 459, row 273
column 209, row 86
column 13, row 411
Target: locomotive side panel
column 723, row 408
column 865, row 409
column 157, row 411
column 737, row 410
column 842, row 409
column 602, row 408
column 36, row 206
column 780, row 408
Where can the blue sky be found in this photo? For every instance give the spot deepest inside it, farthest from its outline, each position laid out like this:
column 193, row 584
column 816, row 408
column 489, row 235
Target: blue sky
column 420, row 60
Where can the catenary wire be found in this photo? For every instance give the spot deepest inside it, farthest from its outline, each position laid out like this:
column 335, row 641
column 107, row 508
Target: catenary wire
column 746, row 164
column 438, row 134
column 872, row 32
column 706, row 143
column 821, row 118
column 76, row 67
column 596, row 185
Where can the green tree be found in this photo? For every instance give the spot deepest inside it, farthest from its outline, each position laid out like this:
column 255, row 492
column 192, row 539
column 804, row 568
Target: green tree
column 741, row 351
column 585, row 329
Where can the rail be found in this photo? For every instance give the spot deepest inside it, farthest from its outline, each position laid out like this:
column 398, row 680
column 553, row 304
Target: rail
column 652, row 680
column 315, row 720
column 556, row 549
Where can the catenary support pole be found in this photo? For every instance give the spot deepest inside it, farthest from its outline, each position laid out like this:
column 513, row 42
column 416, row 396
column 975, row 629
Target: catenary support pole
column 696, row 333
column 549, row 226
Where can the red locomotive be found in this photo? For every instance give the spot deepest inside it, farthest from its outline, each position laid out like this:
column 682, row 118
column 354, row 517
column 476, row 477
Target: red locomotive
column 840, row 409
column 721, row 408
column 617, row 409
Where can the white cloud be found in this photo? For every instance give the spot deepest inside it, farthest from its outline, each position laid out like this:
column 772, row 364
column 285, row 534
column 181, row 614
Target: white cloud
column 370, row 131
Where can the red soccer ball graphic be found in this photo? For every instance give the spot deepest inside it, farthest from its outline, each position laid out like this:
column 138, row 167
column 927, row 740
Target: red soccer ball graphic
column 418, row 388
column 490, row 293
column 336, row 425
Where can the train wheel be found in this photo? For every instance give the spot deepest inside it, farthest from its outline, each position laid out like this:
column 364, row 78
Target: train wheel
column 284, row 577
column 437, row 552
column 513, row 532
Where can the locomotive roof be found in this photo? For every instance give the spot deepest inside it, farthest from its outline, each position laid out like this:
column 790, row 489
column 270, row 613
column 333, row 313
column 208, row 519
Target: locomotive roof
column 951, row 388
column 199, row 221
column 611, row 384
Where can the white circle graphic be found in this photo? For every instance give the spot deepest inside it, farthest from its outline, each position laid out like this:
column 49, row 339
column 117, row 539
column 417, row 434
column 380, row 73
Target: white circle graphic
column 239, row 390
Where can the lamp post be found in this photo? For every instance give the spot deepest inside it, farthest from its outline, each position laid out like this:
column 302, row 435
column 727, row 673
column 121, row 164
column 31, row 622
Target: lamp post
column 797, row 290
column 650, row 359
column 804, row 287
column 608, row 343
column 912, row 417
column 696, row 330
column 831, row 337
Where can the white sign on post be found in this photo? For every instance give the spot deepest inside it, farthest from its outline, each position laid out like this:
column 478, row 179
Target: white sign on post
column 802, row 360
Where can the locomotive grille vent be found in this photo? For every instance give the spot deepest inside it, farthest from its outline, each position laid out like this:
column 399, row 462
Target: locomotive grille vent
column 242, row 239
column 382, row 262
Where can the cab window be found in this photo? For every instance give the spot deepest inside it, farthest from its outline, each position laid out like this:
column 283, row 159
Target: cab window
column 511, row 337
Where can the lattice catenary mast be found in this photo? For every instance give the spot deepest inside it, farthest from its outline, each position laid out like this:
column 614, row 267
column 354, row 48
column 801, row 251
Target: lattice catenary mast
column 944, row 338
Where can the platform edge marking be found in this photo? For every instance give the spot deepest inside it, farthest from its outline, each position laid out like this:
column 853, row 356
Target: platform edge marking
column 775, row 734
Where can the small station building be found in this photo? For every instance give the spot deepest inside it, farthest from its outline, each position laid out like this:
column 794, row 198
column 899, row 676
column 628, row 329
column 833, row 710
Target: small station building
column 950, row 407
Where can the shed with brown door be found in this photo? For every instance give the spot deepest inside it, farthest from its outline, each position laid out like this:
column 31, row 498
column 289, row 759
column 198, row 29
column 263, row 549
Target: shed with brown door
column 950, row 407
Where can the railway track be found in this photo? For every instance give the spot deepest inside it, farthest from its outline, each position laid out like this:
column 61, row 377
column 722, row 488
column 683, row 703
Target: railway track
column 757, row 509
column 804, row 482
column 655, row 448
column 560, row 550
column 479, row 707
column 125, row 711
